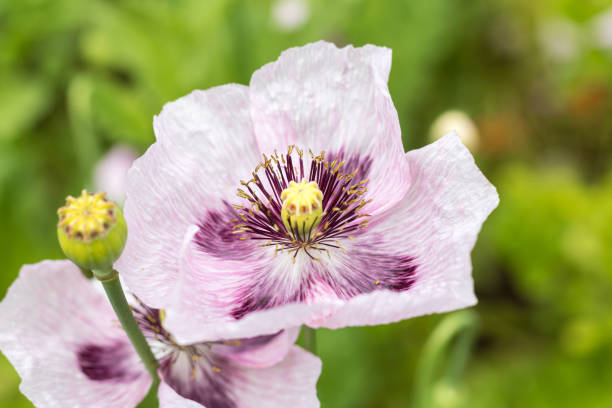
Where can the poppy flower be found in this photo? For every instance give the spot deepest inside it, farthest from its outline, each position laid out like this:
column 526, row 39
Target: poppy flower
column 291, row 201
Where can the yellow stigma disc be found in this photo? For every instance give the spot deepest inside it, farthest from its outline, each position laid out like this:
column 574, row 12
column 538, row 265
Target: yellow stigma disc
column 87, row 217
column 302, row 207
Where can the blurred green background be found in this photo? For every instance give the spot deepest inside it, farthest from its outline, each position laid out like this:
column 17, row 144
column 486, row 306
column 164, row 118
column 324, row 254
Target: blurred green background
column 533, row 80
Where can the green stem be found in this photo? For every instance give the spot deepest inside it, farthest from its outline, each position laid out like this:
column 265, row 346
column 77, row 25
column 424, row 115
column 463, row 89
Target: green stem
column 310, row 339
column 114, row 291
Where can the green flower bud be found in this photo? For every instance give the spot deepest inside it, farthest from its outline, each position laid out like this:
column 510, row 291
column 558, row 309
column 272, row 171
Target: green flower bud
column 91, row 231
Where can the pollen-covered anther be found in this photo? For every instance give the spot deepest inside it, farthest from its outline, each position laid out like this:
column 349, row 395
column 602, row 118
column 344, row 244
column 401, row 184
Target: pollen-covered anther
column 87, row 217
column 302, row 208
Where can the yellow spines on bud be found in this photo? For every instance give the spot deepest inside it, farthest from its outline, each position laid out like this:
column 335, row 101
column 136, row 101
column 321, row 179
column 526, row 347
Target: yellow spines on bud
column 302, row 207
column 91, row 231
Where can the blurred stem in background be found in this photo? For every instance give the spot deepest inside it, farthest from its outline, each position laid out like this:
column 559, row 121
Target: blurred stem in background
column 309, row 337
column 451, row 342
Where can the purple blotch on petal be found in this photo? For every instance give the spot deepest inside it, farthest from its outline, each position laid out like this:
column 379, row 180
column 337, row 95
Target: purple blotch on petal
column 209, row 385
column 267, row 293
column 369, row 271
column 366, row 272
column 149, row 320
column 106, row 363
column 217, row 237
column 252, row 303
column 353, row 162
column 254, row 342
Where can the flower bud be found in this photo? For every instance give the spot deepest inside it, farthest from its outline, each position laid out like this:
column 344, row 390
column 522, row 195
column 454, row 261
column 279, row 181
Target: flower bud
column 91, row 231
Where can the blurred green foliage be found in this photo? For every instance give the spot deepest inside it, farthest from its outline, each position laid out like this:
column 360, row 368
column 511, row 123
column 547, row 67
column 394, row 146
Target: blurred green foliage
column 536, row 77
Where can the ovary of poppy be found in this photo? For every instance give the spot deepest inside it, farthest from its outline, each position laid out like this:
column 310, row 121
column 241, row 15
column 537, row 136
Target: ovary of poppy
column 208, row 240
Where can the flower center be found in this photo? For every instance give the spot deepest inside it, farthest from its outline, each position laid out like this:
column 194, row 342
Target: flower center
column 87, row 217
column 312, row 214
column 192, row 360
column 302, row 208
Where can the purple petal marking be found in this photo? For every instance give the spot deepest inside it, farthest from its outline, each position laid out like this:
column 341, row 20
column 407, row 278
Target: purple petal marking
column 267, row 293
column 107, row 362
column 352, row 163
column 209, row 386
column 150, row 322
column 217, row 237
column 366, row 272
column 253, row 342
column 369, row 271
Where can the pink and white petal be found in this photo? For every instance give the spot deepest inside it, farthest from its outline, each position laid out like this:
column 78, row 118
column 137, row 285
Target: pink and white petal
column 260, row 351
column 168, row 398
column 412, row 260
column 291, row 383
column 209, row 299
column 323, row 98
column 205, row 146
column 216, row 382
column 436, row 225
column 61, row 336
